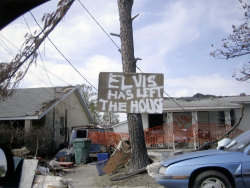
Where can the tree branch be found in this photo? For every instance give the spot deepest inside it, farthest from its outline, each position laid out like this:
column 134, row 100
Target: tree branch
column 11, row 73
column 224, row 135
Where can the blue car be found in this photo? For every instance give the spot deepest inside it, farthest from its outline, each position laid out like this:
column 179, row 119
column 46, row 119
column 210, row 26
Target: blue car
column 228, row 167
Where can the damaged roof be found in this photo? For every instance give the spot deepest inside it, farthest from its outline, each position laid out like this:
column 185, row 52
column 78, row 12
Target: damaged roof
column 201, row 102
column 34, row 103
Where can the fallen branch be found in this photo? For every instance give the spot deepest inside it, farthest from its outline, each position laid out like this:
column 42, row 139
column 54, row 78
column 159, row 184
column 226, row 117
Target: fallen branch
column 224, row 135
column 129, row 174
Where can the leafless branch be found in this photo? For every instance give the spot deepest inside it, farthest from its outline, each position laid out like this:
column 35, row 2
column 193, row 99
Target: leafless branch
column 11, row 73
column 237, row 44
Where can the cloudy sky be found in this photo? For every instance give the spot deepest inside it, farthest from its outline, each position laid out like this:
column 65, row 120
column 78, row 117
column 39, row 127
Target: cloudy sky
column 173, row 37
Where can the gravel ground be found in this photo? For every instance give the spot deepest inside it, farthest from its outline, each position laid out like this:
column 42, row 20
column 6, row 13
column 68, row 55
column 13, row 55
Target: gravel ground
column 87, row 176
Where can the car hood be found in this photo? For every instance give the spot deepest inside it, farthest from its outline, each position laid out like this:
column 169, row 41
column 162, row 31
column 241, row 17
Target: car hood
column 194, row 155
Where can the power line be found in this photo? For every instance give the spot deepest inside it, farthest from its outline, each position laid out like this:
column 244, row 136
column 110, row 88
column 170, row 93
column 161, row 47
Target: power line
column 6, row 48
column 37, row 63
column 53, row 93
column 119, row 48
column 41, row 66
column 38, row 53
column 64, row 55
column 99, row 25
column 167, row 94
column 9, row 41
column 175, row 101
column 53, row 74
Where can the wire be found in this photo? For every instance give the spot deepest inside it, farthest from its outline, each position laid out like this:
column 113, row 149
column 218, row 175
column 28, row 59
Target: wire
column 6, row 48
column 119, row 48
column 112, row 42
column 99, row 25
column 53, row 93
column 54, row 75
column 38, row 53
column 39, row 65
column 168, row 95
column 64, row 55
column 175, row 101
column 9, row 41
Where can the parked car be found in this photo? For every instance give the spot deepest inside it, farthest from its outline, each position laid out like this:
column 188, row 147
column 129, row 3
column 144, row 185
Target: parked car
column 227, row 167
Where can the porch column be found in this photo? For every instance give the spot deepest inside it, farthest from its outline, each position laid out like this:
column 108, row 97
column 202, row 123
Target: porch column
column 27, row 126
column 170, row 129
column 227, row 120
column 165, row 130
column 195, row 127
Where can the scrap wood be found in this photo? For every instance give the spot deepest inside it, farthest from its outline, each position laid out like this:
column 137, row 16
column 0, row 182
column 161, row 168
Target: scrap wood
column 129, row 174
column 118, row 159
column 28, row 172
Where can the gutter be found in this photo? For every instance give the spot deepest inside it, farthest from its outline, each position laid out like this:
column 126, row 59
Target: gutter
column 199, row 108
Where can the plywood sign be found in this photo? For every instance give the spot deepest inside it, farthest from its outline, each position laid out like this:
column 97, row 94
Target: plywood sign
column 130, row 93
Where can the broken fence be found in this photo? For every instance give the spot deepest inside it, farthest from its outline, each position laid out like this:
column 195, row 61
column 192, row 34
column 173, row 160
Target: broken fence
column 163, row 136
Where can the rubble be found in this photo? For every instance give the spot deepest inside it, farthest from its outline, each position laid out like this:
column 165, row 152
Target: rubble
column 20, row 152
column 51, row 181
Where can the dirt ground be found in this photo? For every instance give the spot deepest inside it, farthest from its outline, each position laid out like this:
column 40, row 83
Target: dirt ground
column 87, row 176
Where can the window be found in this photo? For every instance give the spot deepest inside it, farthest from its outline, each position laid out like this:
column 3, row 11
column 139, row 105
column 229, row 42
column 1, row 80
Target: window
column 62, row 127
column 81, row 134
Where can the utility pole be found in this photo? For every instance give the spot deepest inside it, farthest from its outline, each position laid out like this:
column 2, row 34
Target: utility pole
column 139, row 156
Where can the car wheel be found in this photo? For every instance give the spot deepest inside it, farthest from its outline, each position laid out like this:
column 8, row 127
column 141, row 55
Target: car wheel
column 211, row 179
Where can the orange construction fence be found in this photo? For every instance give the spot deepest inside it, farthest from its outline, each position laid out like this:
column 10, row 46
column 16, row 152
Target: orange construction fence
column 160, row 136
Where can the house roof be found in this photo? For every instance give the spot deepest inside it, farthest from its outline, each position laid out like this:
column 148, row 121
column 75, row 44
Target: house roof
column 120, row 123
column 201, row 102
column 34, row 103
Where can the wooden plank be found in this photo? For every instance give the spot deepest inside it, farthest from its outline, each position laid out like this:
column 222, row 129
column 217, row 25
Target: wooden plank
column 118, row 159
column 28, row 173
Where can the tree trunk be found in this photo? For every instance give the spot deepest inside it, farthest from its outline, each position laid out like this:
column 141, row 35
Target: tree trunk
column 139, row 156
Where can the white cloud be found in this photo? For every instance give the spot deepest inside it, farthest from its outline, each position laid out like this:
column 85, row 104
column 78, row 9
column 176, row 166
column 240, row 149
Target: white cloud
column 178, row 25
column 37, row 77
column 212, row 84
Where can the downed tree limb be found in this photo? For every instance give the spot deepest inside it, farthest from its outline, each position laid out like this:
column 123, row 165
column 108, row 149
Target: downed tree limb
column 129, row 174
column 224, row 135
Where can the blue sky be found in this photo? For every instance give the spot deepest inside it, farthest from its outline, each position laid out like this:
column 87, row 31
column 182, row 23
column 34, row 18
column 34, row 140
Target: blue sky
column 173, row 37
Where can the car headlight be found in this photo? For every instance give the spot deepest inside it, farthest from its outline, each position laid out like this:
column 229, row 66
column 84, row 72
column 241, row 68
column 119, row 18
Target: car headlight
column 162, row 170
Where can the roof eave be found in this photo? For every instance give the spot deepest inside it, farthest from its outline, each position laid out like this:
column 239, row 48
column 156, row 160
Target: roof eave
column 84, row 104
column 57, row 102
column 199, row 108
column 20, row 118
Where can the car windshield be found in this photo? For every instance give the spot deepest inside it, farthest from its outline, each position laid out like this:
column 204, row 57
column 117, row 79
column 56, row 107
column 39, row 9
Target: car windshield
column 240, row 142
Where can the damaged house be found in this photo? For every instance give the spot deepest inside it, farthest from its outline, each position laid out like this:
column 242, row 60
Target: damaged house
column 194, row 120
column 41, row 118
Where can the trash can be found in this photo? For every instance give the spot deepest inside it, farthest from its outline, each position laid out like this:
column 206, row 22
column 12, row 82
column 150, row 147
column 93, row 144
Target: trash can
column 78, row 146
column 85, row 150
column 100, row 165
column 102, row 156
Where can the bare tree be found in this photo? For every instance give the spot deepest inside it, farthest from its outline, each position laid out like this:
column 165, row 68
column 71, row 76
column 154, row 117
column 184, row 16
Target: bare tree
column 139, row 156
column 12, row 73
column 110, row 118
column 237, row 44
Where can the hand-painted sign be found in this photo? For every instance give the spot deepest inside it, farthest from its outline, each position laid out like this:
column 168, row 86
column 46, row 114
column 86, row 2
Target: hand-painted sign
column 130, row 92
